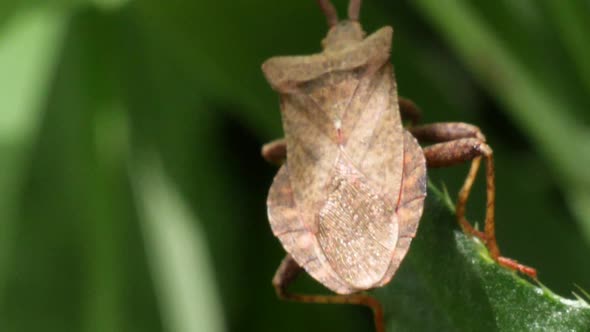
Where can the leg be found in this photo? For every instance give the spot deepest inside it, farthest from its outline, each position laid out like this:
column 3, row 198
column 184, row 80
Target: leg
column 275, row 152
column 409, row 110
column 288, row 271
column 462, row 143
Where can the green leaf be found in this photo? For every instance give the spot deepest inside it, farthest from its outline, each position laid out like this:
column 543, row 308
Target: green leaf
column 177, row 252
column 448, row 282
column 29, row 43
column 543, row 112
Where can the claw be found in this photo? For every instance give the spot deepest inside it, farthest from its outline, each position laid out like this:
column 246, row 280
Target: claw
column 514, row 265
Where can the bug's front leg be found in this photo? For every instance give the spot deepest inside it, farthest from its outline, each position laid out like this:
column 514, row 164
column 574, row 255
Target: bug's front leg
column 462, row 142
column 275, row 151
column 409, row 111
column 288, row 272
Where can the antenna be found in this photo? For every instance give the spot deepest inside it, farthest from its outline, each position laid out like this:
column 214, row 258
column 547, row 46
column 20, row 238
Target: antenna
column 331, row 15
column 354, row 9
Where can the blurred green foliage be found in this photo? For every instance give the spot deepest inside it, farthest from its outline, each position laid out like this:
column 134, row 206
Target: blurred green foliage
column 130, row 135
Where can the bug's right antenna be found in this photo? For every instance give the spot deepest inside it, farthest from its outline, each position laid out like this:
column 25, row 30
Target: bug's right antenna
column 328, row 8
column 354, row 9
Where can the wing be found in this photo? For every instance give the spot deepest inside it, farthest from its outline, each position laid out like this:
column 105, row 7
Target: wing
column 358, row 228
column 411, row 202
column 295, row 236
column 373, row 132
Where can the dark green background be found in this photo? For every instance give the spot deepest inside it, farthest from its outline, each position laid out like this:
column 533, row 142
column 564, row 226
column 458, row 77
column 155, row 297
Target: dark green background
column 120, row 120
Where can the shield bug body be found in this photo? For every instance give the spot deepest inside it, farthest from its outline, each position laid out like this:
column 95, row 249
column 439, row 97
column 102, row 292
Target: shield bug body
column 347, row 200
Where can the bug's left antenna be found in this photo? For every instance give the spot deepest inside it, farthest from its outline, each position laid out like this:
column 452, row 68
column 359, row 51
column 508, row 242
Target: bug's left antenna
column 328, row 8
column 354, row 9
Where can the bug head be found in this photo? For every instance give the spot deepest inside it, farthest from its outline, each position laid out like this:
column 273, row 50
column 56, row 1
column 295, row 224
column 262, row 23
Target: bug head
column 343, row 32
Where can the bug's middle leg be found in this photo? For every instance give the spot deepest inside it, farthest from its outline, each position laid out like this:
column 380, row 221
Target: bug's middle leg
column 462, row 142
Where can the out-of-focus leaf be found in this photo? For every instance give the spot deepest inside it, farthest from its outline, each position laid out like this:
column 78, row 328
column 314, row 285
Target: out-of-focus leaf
column 536, row 109
column 186, row 30
column 29, row 42
column 178, row 255
column 570, row 19
column 448, row 282
column 110, row 4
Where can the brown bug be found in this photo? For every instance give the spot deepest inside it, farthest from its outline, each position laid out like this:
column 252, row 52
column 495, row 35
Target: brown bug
column 347, row 201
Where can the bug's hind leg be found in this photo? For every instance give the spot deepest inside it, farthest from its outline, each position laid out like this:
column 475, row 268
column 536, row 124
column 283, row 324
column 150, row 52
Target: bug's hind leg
column 462, row 142
column 288, row 272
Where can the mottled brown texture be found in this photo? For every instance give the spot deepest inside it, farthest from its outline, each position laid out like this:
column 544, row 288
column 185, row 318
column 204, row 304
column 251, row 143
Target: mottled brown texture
column 346, row 203
column 353, row 178
column 344, row 160
column 358, row 228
